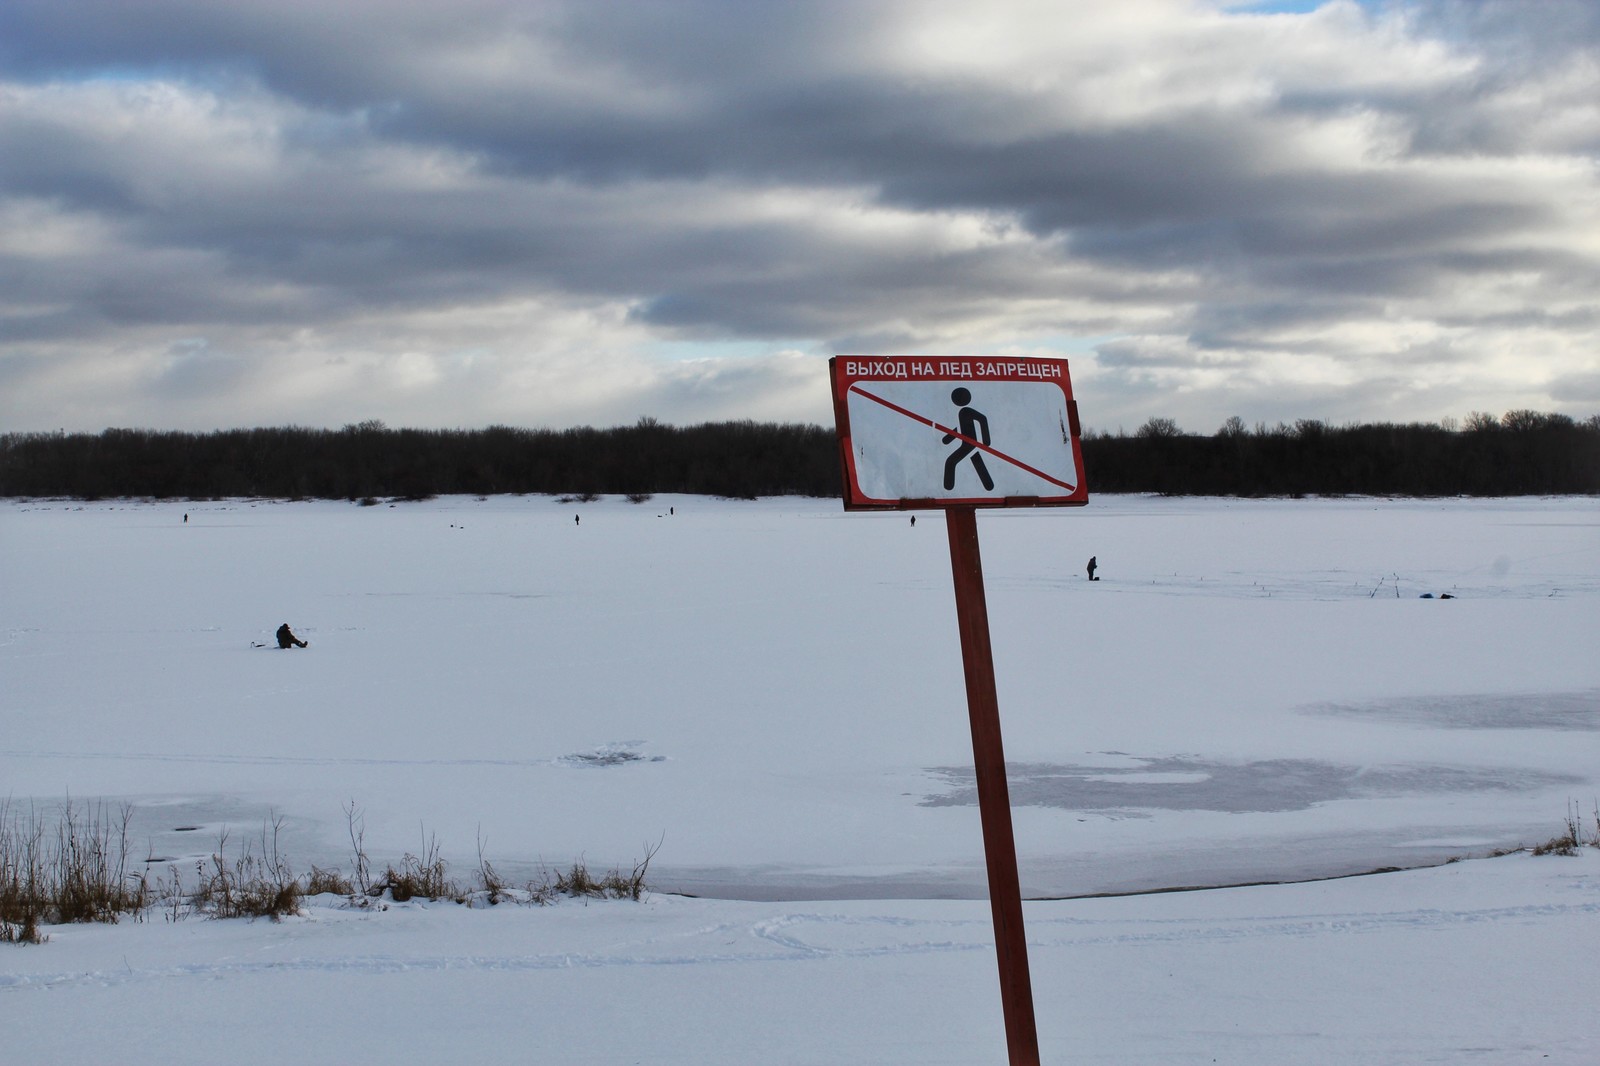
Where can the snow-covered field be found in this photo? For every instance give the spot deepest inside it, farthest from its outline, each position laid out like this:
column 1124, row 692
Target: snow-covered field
column 771, row 691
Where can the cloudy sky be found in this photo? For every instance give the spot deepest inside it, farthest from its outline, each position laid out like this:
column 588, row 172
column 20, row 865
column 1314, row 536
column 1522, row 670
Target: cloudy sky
column 463, row 212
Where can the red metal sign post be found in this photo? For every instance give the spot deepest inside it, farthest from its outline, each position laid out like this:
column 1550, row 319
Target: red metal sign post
column 955, row 434
column 994, row 798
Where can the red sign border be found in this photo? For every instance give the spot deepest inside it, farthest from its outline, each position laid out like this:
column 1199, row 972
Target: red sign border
column 956, row 370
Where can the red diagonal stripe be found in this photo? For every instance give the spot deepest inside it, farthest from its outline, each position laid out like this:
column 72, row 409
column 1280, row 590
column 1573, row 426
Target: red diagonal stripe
column 1002, row 456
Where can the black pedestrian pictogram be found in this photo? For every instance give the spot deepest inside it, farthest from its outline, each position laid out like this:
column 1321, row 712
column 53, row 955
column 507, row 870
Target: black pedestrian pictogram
column 973, row 425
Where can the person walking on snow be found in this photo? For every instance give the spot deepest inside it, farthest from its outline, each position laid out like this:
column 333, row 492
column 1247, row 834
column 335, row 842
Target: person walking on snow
column 287, row 639
column 1093, row 566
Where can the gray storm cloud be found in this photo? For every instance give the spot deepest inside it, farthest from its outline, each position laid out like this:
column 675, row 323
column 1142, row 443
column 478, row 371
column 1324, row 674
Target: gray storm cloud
column 473, row 212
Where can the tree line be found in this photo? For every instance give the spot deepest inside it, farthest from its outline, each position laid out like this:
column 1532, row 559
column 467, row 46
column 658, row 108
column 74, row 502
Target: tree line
column 1520, row 453
column 369, row 460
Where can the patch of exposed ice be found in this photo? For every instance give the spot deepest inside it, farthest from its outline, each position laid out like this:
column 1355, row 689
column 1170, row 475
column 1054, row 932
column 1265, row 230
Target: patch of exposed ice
column 617, row 753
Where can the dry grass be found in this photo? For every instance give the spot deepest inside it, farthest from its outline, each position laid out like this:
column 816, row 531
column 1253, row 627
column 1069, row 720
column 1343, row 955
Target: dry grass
column 421, row 877
column 71, row 865
column 577, row 882
column 251, row 886
column 1575, row 837
column 320, row 882
column 74, row 870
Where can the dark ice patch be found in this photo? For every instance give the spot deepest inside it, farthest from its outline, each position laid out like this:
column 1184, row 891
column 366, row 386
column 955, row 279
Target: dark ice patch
column 1186, row 783
column 181, row 830
column 1557, row 711
column 611, row 755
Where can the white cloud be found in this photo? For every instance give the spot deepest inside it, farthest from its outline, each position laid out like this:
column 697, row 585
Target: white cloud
column 489, row 212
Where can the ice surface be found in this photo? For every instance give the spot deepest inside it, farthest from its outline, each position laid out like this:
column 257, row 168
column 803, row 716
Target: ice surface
column 771, row 690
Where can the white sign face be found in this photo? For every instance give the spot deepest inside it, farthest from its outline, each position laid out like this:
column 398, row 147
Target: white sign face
column 957, row 432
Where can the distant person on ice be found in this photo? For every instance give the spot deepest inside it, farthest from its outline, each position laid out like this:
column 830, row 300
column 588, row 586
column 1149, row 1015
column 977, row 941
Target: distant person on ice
column 1093, row 566
column 287, row 639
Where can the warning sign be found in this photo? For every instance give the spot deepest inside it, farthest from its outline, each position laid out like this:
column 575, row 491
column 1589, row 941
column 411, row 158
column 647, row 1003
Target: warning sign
column 957, row 432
